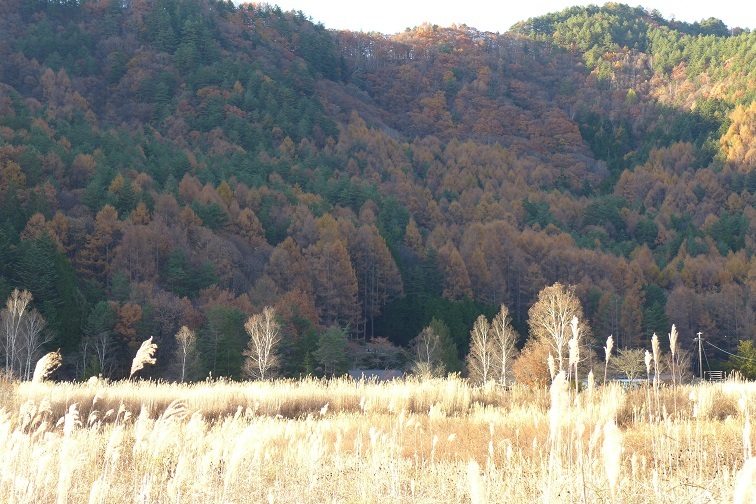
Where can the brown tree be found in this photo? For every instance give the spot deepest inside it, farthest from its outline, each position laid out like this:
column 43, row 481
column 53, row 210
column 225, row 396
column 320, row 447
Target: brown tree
column 378, row 278
column 333, row 275
column 531, row 367
column 456, row 278
column 94, row 259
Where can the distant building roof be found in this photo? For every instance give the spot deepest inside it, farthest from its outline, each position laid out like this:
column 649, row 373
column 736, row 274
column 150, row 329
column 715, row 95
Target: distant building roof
column 379, row 375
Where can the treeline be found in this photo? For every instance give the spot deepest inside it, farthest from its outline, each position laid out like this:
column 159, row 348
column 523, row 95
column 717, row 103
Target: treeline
column 189, row 162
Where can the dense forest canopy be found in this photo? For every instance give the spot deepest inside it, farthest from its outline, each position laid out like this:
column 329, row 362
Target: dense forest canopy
column 189, row 162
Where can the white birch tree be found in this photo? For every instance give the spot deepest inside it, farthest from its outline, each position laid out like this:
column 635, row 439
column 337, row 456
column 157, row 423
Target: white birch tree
column 505, row 341
column 262, row 351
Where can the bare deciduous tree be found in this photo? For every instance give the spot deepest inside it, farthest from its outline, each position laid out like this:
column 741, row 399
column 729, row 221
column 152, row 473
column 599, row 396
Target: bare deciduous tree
column 630, row 362
column 262, row 351
column 427, row 349
column 435, row 353
column 492, row 348
column 481, row 361
column 12, row 318
column 22, row 335
column 32, row 338
column 505, row 340
column 186, row 357
column 104, row 347
column 550, row 318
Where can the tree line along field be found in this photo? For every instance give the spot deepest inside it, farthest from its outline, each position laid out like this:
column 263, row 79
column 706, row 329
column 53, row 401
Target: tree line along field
column 438, row 440
column 191, row 162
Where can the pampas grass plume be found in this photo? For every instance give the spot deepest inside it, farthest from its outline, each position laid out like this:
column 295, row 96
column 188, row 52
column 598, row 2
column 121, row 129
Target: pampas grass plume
column 656, row 347
column 46, row 365
column 608, row 347
column 145, row 355
column 608, row 351
column 673, row 340
column 552, row 366
column 574, row 352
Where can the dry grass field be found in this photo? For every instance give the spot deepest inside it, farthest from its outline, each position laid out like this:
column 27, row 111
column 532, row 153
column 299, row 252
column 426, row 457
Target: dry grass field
column 406, row 441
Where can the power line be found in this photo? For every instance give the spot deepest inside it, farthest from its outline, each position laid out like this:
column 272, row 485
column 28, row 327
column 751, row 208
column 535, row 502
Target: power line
column 708, row 364
column 729, row 353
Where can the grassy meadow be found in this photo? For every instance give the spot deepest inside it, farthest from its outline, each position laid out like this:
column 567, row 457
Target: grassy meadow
column 405, row 441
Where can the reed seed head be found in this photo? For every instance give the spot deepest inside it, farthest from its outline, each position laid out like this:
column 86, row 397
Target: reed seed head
column 608, row 347
column 145, row 355
column 673, row 340
column 46, row 365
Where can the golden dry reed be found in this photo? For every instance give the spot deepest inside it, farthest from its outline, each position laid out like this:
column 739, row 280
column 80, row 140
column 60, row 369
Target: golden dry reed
column 145, row 355
column 46, row 365
column 340, row 441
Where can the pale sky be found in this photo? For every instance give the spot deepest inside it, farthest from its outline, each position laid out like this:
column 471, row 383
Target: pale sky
column 392, row 16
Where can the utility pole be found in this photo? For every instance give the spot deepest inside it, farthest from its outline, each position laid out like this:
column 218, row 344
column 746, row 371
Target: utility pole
column 700, row 355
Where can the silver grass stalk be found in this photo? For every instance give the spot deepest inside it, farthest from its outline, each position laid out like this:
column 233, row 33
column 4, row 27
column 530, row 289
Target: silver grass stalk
column 552, row 366
column 591, row 384
column 477, row 491
column 574, row 358
column 656, row 348
column 575, row 348
column 747, row 448
column 745, row 484
column 612, row 450
column 657, row 355
column 145, row 355
column 46, row 365
column 560, row 401
column 608, row 352
column 672, row 349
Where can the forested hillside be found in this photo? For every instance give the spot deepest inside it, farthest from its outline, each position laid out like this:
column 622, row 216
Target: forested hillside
column 189, row 162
